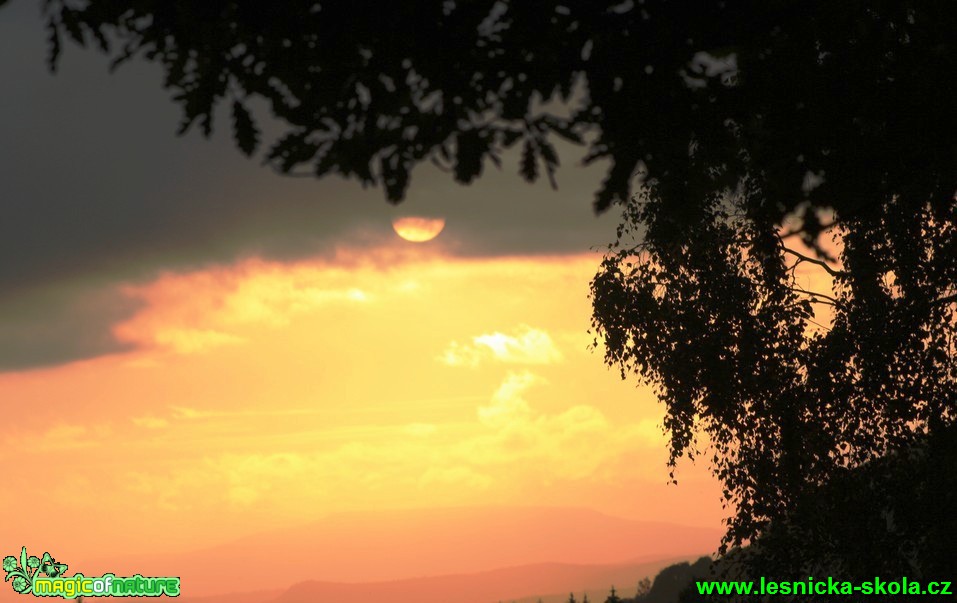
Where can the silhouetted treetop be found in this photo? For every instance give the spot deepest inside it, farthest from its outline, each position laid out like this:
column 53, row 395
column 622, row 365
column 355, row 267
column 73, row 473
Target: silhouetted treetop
column 703, row 297
column 612, row 596
column 366, row 89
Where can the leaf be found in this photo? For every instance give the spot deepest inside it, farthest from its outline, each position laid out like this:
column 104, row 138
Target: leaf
column 175, row 66
column 468, row 157
column 101, row 40
column 198, row 101
column 529, row 167
column 72, row 24
column 395, row 176
column 124, row 56
column 551, row 161
column 615, row 188
column 291, row 150
column 244, row 130
column 548, row 153
column 53, row 38
column 510, row 137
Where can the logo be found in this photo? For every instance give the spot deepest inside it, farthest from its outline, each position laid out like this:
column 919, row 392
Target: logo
column 46, row 577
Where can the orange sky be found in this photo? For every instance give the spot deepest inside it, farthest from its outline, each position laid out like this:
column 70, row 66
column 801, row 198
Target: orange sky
column 266, row 394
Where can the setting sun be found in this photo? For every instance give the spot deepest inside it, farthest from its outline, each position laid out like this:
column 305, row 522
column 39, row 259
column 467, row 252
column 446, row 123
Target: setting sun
column 417, row 229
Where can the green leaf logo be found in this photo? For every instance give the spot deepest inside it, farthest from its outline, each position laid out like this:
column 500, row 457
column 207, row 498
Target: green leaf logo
column 22, row 571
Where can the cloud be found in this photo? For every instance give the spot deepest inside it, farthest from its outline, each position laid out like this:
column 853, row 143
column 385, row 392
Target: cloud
column 61, row 323
column 150, row 422
column 249, row 477
column 507, row 404
column 455, row 476
column 189, row 413
column 458, row 354
column 526, row 346
column 61, row 437
column 421, row 430
column 184, row 412
column 192, row 341
column 576, row 443
column 510, row 442
column 182, row 490
column 199, row 311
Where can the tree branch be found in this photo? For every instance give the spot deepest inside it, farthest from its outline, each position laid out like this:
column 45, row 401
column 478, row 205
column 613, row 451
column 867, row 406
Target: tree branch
column 811, row 260
column 944, row 300
column 831, row 301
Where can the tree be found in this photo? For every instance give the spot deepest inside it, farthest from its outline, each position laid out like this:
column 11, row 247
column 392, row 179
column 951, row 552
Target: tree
column 737, row 117
column 716, row 320
column 891, row 516
column 644, row 587
column 613, row 597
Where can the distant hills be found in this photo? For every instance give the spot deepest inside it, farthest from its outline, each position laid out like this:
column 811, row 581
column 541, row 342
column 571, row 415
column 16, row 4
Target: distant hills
column 437, row 546
column 551, row 582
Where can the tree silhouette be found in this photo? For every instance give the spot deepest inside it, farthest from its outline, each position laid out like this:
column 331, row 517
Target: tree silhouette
column 671, row 581
column 850, row 90
column 613, row 597
column 736, row 117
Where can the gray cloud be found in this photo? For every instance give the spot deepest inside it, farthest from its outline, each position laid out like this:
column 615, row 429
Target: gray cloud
column 58, row 324
column 94, row 185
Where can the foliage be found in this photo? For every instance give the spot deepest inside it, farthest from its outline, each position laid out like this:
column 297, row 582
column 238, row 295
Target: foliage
column 850, row 90
column 893, row 516
column 671, row 581
column 717, row 321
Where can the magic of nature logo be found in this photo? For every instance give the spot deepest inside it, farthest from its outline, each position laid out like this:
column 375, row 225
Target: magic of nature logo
column 46, row 577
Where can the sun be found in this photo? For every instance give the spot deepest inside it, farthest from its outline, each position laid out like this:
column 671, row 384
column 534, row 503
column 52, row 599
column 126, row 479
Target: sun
column 418, row 229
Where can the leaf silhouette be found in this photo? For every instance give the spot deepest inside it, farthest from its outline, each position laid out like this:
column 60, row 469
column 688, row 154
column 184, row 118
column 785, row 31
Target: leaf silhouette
column 244, row 130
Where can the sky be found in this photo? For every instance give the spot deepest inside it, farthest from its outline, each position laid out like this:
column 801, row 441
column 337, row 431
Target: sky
column 194, row 348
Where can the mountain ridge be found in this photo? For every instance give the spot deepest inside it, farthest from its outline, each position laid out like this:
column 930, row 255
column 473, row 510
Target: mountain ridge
column 546, row 580
column 358, row 547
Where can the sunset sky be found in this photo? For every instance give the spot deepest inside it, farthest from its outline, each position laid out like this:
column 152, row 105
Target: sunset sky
column 193, row 348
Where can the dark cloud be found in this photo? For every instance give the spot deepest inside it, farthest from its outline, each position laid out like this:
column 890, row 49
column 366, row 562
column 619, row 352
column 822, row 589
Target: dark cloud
column 57, row 324
column 94, row 184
